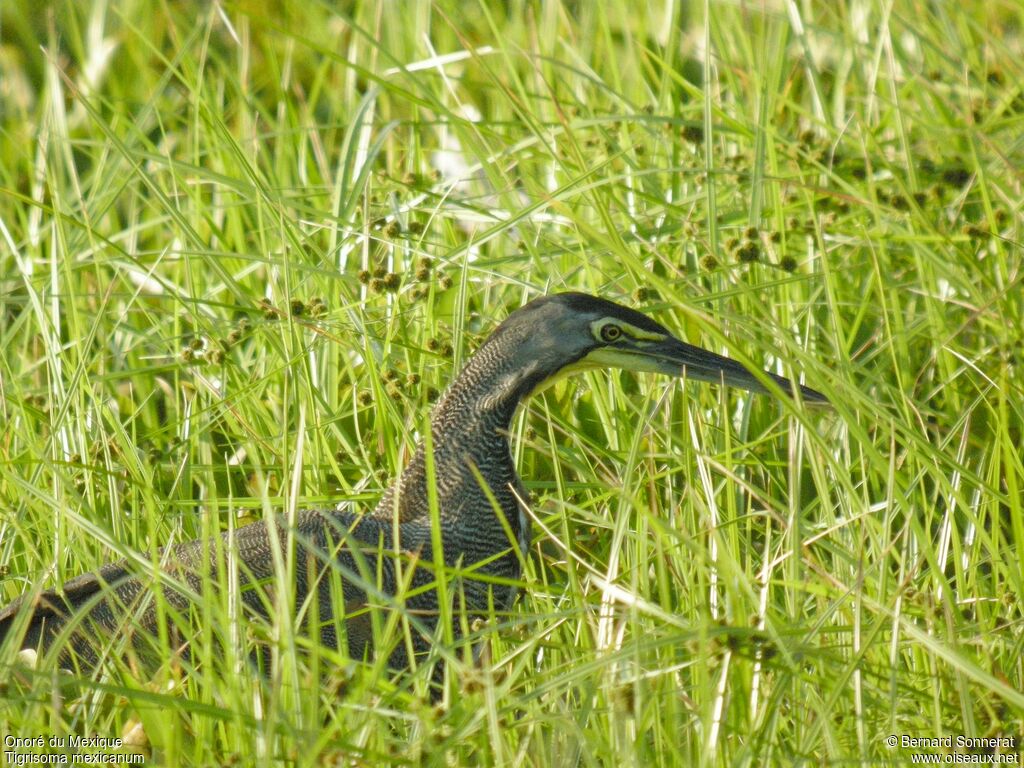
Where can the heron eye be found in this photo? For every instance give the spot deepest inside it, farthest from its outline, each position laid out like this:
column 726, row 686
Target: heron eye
column 610, row 332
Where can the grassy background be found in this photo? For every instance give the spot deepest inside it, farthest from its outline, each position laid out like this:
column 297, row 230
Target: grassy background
column 242, row 249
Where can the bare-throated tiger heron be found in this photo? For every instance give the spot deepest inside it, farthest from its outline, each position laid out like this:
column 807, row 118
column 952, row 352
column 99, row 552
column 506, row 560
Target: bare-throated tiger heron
column 347, row 565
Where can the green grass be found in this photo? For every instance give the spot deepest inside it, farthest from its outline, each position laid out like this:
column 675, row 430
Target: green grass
column 716, row 578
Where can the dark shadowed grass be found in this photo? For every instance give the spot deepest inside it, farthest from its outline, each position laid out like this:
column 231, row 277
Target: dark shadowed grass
column 242, row 252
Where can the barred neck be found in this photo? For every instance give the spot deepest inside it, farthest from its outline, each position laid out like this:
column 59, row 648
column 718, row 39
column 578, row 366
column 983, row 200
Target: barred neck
column 469, row 431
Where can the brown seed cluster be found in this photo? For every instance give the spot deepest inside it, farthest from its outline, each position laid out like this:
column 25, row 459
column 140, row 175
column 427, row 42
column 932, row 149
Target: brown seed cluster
column 396, row 387
column 213, row 350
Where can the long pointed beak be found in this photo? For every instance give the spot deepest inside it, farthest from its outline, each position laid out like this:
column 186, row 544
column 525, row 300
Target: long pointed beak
column 675, row 358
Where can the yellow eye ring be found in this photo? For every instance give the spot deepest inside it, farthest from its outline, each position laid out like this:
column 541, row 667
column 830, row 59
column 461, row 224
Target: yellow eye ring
column 610, row 332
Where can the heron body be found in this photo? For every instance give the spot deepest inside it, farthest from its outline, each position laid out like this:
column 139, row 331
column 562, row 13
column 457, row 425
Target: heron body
column 347, row 565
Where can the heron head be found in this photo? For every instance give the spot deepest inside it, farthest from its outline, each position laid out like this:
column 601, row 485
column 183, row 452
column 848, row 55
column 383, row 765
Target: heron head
column 570, row 332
